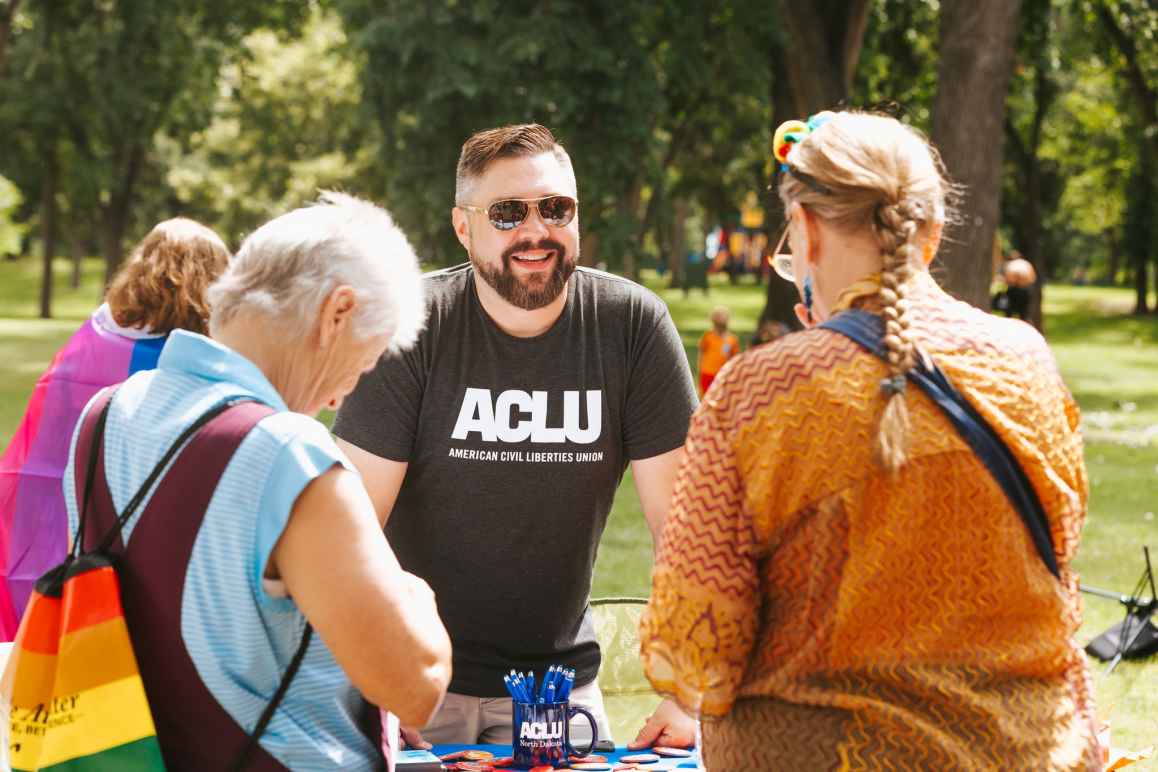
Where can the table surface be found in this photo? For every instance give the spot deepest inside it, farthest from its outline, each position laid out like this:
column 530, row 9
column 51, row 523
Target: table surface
column 691, row 763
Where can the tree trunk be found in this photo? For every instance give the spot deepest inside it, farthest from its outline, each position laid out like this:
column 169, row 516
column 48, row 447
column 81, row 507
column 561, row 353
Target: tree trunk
column 589, row 248
column 628, row 209
column 1141, row 285
column 824, row 39
column 677, row 241
column 1033, row 247
column 1115, row 257
column 1154, row 309
column 1028, row 226
column 1043, row 96
column 1040, row 268
column 76, row 251
column 676, row 273
column 48, row 226
column 112, row 236
column 977, row 47
column 116, row 213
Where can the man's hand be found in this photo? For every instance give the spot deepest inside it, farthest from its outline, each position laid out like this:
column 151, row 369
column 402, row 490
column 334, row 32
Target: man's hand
column 668, row 726
column 413, row 739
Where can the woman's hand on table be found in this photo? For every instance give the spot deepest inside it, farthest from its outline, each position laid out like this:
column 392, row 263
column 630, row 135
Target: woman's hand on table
column 669, row 726
column 413, row 739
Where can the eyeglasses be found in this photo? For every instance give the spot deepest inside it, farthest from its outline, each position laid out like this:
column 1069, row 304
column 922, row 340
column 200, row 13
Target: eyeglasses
column 781, row 261
column 510, row 213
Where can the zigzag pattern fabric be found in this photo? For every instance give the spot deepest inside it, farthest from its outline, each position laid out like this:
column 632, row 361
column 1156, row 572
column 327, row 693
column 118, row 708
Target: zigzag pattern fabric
column 819, row 614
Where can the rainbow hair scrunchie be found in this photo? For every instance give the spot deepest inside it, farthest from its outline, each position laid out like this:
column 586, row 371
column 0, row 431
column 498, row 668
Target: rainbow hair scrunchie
column 791, row 133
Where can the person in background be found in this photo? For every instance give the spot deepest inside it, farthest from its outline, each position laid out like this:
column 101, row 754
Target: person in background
column 160, row 288
column 261, row 529
column 717, row 346
column 843, row 582
column 1019, row 277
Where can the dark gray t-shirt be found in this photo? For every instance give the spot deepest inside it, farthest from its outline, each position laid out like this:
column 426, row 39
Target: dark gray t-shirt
column 515, row 448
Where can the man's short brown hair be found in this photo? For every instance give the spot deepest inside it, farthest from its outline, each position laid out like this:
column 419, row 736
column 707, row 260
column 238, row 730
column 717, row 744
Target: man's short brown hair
column 161, row 287
column 485, row 147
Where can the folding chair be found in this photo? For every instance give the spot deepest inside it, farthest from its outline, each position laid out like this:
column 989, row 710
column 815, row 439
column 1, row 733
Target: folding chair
column 627, row 694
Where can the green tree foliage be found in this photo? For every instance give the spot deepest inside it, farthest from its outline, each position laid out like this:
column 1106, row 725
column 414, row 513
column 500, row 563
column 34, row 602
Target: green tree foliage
column 898, row 63
column 94, row 81
column 635, row 90
column 285, row 123
column 234, row 111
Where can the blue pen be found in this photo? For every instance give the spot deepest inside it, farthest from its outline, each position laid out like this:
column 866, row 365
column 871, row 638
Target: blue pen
column 568, row 682
column 550, row 692
column 552, row 673
column 516, row 691
column 515, row 684
column 531, row 683
column 520, row 686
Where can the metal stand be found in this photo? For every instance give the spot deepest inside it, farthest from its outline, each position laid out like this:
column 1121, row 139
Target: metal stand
column 1135, row 637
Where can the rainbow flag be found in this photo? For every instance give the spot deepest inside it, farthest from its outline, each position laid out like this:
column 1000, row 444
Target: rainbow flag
column 75, row 694
column 33, row 520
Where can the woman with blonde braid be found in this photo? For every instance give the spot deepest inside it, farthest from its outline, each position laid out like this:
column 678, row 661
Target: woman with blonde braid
column 867, row 560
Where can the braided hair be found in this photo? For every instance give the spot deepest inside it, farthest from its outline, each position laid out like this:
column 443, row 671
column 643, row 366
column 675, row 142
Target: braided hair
column 895, row 227
column 873, row 171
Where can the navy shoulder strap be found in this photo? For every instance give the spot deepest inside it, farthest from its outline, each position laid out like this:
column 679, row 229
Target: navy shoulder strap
column 868, row 330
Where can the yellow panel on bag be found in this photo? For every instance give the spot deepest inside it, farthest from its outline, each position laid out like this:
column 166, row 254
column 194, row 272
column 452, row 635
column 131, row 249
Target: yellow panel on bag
column 82, row 724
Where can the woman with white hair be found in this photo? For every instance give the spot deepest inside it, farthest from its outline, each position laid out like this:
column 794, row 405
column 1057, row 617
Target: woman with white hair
column 260, row 532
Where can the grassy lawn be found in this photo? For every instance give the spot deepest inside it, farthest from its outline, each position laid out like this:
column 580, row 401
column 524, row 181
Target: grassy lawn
column 1109, row 360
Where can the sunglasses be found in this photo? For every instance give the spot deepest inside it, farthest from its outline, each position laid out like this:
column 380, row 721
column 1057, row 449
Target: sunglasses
column 510, row 213
column 781, row 258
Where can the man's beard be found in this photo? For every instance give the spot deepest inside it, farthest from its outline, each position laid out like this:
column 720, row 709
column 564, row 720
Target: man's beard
column 522, row 293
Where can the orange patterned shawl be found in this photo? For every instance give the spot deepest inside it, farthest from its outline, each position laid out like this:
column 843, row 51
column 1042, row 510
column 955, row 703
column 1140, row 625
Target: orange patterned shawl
column 822, row 615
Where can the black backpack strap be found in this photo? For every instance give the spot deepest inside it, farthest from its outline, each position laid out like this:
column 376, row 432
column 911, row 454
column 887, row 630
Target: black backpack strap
column 92, row 432
column 267, row 714
column 868, row 330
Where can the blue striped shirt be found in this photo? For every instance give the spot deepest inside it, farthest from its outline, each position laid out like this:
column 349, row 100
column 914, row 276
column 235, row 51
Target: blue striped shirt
column 239, row 636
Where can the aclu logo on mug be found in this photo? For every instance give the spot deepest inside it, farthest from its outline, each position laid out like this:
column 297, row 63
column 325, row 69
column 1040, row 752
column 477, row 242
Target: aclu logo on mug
column 541, row 730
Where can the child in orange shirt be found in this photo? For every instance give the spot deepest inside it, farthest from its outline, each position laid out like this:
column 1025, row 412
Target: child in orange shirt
column 717, row 346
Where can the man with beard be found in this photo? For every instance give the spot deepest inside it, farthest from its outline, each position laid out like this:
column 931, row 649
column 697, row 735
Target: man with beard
column 493, row 449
